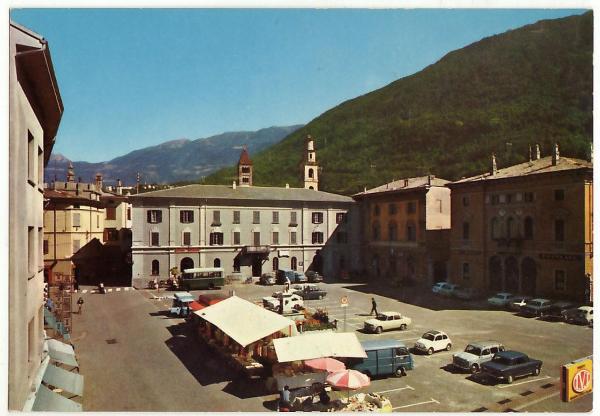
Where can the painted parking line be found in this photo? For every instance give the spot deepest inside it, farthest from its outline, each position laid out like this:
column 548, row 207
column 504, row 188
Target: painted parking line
column 118, row 289
column 398, row 389
column 438, row 354
column 125, row 289
column 504, row 386
column 84, row 291
column 416, row 404
column 109, row 290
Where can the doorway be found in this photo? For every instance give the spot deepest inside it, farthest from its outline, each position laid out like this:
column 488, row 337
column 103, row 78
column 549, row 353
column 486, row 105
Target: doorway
column 256, row 266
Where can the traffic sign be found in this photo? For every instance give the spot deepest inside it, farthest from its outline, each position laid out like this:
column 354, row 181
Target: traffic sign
column 344, row 301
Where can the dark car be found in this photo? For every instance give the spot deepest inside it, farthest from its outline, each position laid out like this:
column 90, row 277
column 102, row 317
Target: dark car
column 536, row 307
column 508, row 365
column 268, row 279
column 556, row 311
column 309, row 291
column 313, row 277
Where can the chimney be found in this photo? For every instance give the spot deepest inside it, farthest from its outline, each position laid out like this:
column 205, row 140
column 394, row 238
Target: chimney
column 99, row 181
column 530, row 153
column 287, row 186
column 494, row 164
column 233, row 185
column 538, row 154
column 70, row 173
column 555, row 155
column 119, row 187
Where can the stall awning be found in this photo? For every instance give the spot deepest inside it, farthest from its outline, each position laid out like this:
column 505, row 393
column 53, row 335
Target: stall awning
column 61, row 352
column 244, row 321
column 47, row 400
column 318, row 345
column 63, row 379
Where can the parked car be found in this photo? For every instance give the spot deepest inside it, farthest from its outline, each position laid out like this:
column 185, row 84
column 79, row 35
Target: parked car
column 181, row 304
column 433, row 341
column 476, row 354
column 267, row 279
column 289, row 301
column 384, row 357
column 444, row 288
column 385, row 321
column 309, row 291
column 313, row 277
column 582, row 315
column 536, row 307
column 555, row 311
column 284, row 276
column 518, row 302
column 467, row 293
column 501, row 300
column 300, row 277
column 508, row 365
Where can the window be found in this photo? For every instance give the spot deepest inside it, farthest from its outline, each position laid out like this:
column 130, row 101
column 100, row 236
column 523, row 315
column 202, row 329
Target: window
column 236, row 265
column 466, row 272
column 411, row 207
column 155, row 268
column 154, row 216
column 528, row 196
column 245, row 179
column 317, row 218
column 294, row 263
column 375, row 231
column 129, row 214
column 502, row 198
column 216, row 239
column 511, row 228
column 410, row 232
column 216, row 218
column 275, row 217
column 376, row 210
column 466, row 231
column 40, row 250
column 559, row 230
column 236, row 238
column 40, row 166
column 256, row 238
column 392, row 209
column 341, row 237
column 31, row 249
column 154, row 240
column 217, row 262
column 293, row 237
column 495, row 199
column 111, row 213
column 293, row 218
column 236, row 217
column 560, row 280
column 465, row 201
column 76, row 219
column 111, row 234
column 393, row 231
column 528, row 228
column 509, row 198
column 559, row 194
column 495, row 228
column 186, row 216
column 256, row 217
column 317, row 237
column 311, row 173
column 97, row 221
column 76, row 245
column 245, row 169
column 31, row 162
column 187, row 238
column 275, row 264
column 340, row 217
column 31, row 340
column 46, row 247
column 275, row 238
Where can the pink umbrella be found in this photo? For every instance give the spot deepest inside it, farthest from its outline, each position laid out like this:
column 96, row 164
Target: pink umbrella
column 348, row 380
column 329, row 364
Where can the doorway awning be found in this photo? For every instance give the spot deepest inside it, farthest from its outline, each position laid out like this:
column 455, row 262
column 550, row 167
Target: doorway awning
column 63, row 379
column 47, row 400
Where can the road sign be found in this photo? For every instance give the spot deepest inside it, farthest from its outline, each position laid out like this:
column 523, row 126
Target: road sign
column 344, row 301
column 576, row 379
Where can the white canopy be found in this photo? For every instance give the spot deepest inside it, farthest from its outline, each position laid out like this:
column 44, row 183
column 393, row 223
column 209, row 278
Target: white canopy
column 318, row 345
column 244, row 321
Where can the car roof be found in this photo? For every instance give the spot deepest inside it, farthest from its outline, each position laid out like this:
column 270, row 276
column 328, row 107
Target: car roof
column 389, row 313
column 540, row 300
column 504, row 294
column 485, row 344
column 586, row 308
column 433, row 332
column 180, row 295
column 510, row 354
column 381, row 344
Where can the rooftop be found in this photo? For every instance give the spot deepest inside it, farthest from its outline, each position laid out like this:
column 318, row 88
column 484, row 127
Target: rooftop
column 405, row 184
column 257, row 193
column 537, row 166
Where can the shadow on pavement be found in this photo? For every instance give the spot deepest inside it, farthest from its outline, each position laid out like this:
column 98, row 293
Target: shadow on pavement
column 452, row 370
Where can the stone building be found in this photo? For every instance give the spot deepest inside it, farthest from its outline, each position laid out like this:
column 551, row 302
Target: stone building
column 247, row 230
column 525, row 228
column 405, row 229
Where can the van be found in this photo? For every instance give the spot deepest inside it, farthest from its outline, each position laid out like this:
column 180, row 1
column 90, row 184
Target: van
column 384, row 358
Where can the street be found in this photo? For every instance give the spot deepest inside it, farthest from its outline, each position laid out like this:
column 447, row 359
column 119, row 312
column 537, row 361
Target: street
column 155, row 363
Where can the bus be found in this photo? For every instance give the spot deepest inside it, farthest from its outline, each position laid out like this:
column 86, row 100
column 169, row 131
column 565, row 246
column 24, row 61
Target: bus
column 203, row 278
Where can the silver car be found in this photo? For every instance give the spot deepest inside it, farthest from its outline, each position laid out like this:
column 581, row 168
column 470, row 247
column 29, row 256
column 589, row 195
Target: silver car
column 476, row 354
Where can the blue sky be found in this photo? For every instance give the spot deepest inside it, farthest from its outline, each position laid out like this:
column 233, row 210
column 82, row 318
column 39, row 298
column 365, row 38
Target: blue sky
column 132, row 78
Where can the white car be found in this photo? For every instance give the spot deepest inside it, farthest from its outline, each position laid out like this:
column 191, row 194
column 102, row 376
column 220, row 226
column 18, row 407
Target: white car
column 433, row 341
column 502, row 299
column 385, row 321
column 291, row 301
column 444, row 288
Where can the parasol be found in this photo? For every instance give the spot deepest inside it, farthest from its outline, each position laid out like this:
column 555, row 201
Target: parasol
column 328, row 364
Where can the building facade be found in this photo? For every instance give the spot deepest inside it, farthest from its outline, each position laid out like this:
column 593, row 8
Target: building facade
column 525, row 228
column 35, row 112
column 405, row 230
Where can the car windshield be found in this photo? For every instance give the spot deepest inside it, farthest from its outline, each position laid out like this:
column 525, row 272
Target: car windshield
column 473, row 350
column 501, row 297
column 382, row 317
column 428, row 336
column 534, row 303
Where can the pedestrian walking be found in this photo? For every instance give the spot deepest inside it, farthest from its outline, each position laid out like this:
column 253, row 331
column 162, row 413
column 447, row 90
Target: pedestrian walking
column 79, row 305
column 373, row 307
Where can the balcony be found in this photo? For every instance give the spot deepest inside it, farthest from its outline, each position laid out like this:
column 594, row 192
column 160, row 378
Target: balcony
column 256, row 249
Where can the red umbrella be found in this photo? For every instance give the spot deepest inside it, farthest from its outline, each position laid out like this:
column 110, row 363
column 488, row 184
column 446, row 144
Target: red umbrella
column 348, row 380
column 329, row 364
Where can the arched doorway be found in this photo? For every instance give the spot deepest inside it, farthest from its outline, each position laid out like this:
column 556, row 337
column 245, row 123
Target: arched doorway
column 511, row 274
column 186, row 263
column 155, row 267
column 529, row 273
column 294, row 263
column 495, row 273
column 217, row 262
column 275, row 264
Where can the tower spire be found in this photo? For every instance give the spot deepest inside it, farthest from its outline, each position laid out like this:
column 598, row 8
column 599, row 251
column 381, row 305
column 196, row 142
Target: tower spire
column 311, row 169
column 245, row 168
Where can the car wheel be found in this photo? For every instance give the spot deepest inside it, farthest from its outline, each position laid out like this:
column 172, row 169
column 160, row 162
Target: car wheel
column 402, row 327
column 400, row 371
column 509, row 379
column 430, row 351
column 474, row 369
column 379, row 330
column 448, row 347
column 320, row 297
column 536, row 371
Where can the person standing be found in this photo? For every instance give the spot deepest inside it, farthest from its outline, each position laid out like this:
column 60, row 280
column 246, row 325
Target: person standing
column 79, row 305
column 284, row 400
column 373, row 307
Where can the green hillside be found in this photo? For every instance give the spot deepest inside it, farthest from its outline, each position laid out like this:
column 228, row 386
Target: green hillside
column 526, row 86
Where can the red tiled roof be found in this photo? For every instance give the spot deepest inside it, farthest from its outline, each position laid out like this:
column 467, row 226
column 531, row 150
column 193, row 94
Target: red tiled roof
column 244, row 158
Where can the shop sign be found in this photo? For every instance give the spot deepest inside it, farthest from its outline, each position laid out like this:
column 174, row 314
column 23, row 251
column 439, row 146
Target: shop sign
column 576, row 379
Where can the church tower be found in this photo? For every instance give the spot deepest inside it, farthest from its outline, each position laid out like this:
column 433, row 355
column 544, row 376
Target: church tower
column 245, row 169
column 311, row 170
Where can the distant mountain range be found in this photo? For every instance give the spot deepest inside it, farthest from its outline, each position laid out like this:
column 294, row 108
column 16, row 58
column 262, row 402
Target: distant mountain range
column 173, row 161
column 501, row 94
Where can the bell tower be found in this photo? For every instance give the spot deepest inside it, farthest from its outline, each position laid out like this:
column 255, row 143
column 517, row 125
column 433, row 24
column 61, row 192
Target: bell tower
column 245, row 169
column 311, row 170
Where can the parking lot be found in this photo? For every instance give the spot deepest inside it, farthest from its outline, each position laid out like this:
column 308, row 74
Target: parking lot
column 432, row 386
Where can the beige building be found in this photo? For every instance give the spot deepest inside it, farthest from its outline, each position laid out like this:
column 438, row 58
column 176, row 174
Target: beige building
column 35, row 112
